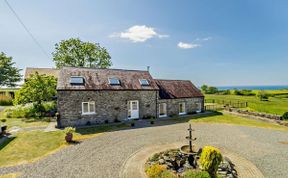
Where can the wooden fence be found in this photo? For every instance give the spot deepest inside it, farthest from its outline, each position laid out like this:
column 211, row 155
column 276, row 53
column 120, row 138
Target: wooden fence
column 214, row 104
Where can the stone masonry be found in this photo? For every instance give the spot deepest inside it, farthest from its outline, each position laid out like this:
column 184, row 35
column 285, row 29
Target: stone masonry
column 191, row 105
column 109, row 105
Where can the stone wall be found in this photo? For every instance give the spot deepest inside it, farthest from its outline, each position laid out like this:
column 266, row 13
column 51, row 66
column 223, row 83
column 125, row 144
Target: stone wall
column 109, row 105
column 191, row 105
column 254, row 113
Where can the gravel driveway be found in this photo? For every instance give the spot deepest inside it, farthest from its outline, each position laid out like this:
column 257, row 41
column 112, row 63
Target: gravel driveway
column 103, row 156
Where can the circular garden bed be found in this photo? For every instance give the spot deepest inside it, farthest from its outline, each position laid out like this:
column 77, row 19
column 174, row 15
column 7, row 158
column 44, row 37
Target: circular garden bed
column 173, row 163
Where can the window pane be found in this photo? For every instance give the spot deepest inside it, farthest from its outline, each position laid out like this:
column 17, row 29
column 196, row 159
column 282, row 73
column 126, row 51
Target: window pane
column 92, row 106
column 181, row 107
column 114, row 81
column 162, row 109
column 85, row 108
column 77, row 80
column 144, row 82
column 134, row 105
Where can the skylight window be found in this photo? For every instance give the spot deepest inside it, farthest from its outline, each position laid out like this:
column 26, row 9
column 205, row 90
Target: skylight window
column 114, row 81
column 144, row 82
column 76, row 80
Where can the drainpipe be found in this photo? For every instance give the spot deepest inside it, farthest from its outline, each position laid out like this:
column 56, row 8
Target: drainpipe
column 156, row 104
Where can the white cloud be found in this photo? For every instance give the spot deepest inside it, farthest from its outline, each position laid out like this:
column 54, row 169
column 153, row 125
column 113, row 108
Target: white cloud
column 188, row 45
column 138, row 33
column 203, row 39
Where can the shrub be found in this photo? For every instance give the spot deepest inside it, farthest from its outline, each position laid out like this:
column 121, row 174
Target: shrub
column 262, row 95
column 285, row 116
column 147, row 117
column 167, row 174
column 210, row 159
column 155, row 171
column 224, row 92
column 3, row 120
column 192, row 112
column 69, row 130
column 5, row 100
column 244, row 92
column 29, row 110
column 196, row 174
column 116, row 120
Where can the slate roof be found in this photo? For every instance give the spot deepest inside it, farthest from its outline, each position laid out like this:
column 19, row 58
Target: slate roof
column 171, row 89
column 48, row 71
column 97, row 79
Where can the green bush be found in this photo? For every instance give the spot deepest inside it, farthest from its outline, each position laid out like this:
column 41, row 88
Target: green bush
column 210, row 159
column 263, row 96
column 196, row 174
column 285, row 116
column 244, row 92
column 29, row 110
column 6, row 102
column 167, row 174
column 69, row 130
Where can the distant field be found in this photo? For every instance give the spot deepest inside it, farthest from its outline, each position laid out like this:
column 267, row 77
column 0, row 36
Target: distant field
column 278, row 104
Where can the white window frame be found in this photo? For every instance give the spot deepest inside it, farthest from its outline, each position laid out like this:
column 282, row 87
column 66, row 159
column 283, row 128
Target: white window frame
column 148, row 83
column 165, row 106
column 89, row 110
column 184, row 105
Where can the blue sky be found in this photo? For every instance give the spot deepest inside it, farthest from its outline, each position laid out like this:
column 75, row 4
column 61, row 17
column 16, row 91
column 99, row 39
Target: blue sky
column 223, row 42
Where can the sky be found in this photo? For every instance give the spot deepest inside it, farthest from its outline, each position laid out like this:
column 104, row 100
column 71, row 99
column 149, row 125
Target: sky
column 219, row 43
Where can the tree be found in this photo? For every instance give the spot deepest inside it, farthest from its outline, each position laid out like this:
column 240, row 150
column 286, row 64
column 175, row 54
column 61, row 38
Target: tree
column 36, row 89
column 76, row 53
column 204, row 88
column 262, row 95
column 9, row 75
column 212, row 90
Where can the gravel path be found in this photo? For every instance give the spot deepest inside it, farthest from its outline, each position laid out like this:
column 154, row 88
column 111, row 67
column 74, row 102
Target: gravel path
column 103, row 156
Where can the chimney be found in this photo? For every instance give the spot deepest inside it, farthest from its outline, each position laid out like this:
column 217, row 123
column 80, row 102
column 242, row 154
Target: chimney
column 148, row 68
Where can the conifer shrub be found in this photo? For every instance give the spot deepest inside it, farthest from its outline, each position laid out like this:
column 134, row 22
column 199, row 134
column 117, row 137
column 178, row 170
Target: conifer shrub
column 210, row 159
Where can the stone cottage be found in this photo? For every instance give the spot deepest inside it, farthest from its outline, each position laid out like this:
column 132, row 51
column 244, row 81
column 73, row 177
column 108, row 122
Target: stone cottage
column 92, row 96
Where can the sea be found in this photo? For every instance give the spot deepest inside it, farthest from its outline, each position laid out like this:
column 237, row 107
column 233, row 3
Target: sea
column 264, row 87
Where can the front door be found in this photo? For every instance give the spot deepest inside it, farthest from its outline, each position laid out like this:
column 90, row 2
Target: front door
column 133, row 109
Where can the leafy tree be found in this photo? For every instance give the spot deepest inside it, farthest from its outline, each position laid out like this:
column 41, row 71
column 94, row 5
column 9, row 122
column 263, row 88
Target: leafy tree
column 204, row 88
column 9, row 75
column 36, row 89
column 76, row 53
column 212, row 90
column 262, row 95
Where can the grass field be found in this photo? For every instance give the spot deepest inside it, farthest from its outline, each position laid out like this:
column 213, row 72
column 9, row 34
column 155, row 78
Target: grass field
column 275, row 105
column 18, row 122
column 236, row 120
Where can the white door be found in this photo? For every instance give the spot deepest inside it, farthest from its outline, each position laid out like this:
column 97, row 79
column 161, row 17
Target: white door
column 198, row 106
column 133, row 109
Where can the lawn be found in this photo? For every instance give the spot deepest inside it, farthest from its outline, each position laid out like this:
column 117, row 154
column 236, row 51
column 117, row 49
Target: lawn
column 275, row 105
column 236, row 120
column 23, row 122
column 33, row 145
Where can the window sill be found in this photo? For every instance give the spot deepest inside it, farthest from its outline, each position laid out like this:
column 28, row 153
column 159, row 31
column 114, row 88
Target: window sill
column 163, row 115
column 88, row 113
column 182, row 113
